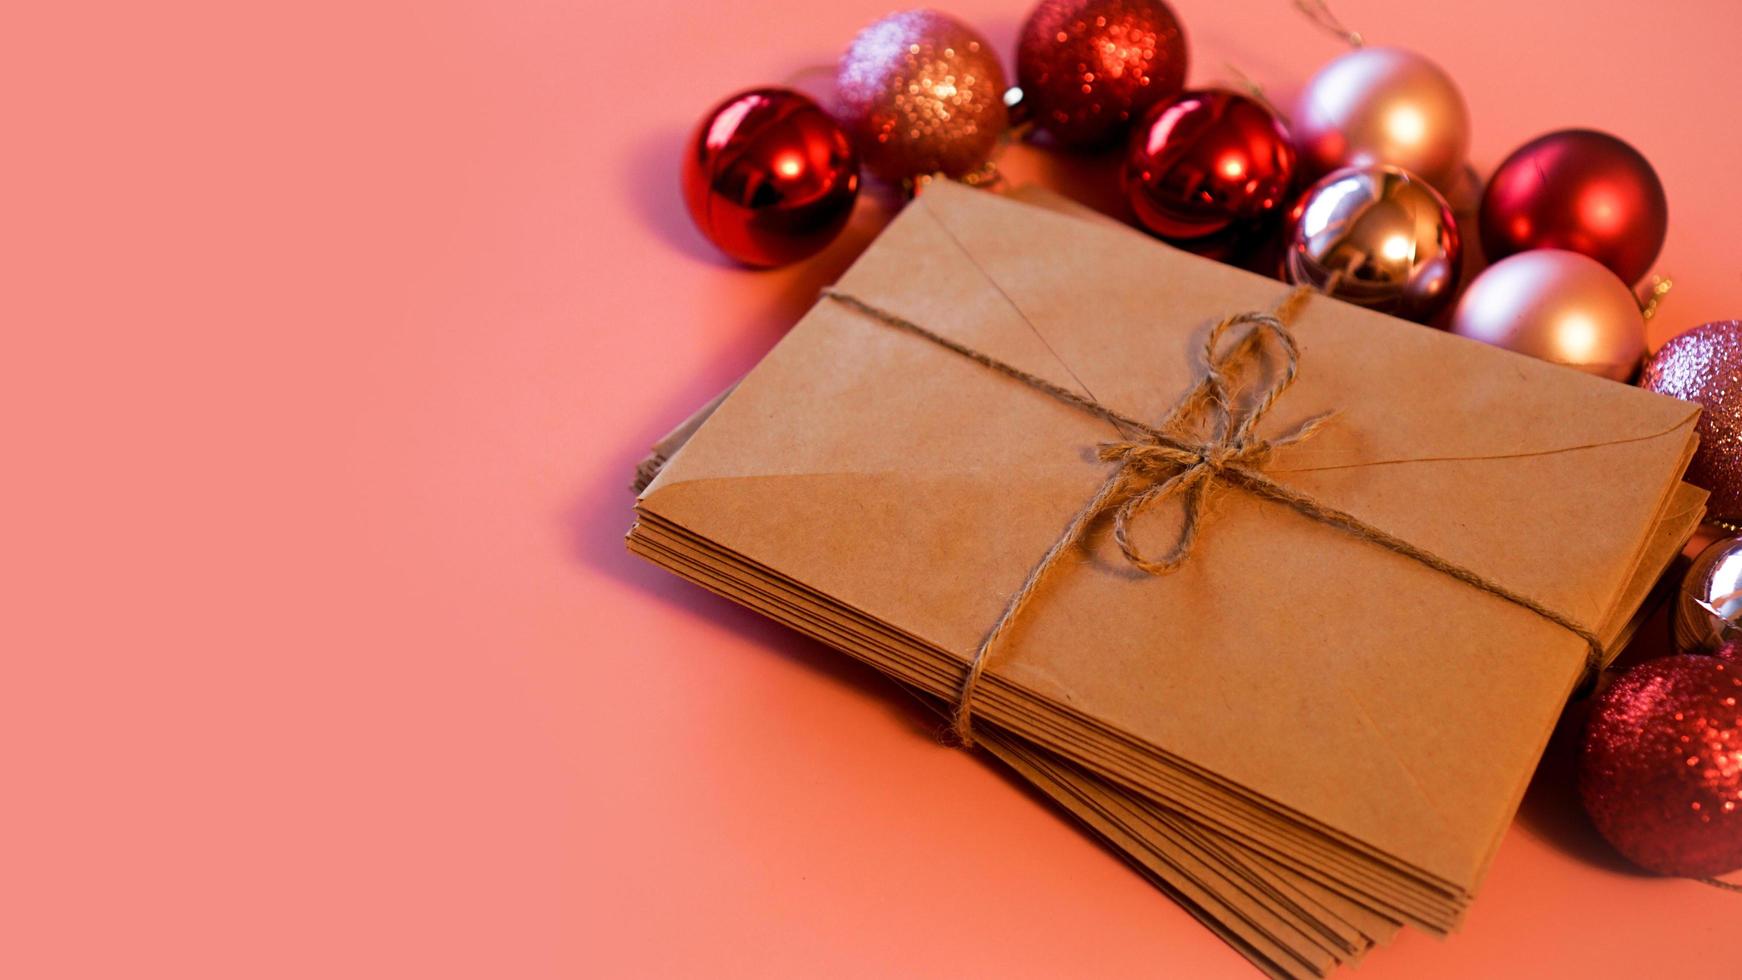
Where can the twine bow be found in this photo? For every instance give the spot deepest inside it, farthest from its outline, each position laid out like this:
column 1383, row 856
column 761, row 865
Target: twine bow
column 1231, row 452
column 1156, row 463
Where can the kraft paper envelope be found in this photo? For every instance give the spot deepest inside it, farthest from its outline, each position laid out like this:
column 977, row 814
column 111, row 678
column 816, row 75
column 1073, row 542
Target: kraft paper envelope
column 1310, row 691
column 1286, row 925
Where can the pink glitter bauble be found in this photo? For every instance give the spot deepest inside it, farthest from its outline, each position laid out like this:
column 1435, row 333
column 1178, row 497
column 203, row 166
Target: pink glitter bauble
column 1661, row 773
column 1704, row 365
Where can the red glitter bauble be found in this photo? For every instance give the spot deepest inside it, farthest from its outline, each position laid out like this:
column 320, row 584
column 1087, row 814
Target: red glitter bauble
column 1704, row 365
column 1661, row 774
column 1578, row 190
column 1206, row 168
column 1089, row 67
column 769, row 177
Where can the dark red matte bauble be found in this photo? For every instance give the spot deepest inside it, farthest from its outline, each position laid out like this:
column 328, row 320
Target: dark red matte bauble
column 1088, row 68
column 1661, row 773
column 1208, row 165
column 1578, row 190
column 769, row 177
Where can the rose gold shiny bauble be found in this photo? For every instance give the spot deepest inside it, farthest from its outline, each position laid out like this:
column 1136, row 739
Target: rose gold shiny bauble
column 921, row 93
column 1561, row 307
column 1377, row 237
column 1382, row 105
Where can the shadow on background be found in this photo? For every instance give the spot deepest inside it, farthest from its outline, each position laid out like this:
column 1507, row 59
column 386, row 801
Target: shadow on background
column 1551, row 809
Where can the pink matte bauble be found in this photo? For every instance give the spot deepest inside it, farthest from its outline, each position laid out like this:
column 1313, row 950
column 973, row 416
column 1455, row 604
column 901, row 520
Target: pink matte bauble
column 1558, row 306
column 1582, row 191
column 1661, row 771
column 1378, row 105
column 769, row 177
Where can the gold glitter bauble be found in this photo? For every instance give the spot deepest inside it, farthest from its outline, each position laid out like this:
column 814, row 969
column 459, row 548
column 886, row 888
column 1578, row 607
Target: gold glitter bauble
column 921, row 93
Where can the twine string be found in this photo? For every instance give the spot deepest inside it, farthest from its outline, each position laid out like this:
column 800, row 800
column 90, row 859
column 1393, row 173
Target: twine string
column 1159, row 463
column 1656, row 289
column 1319, row 12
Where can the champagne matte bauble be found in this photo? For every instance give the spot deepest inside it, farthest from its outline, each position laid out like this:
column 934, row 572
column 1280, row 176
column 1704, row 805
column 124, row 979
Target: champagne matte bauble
column 1561, row 307
column 1378, row 105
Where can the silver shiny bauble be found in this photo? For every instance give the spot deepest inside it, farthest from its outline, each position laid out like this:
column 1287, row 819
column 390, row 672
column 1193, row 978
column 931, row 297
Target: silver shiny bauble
column 1708, row 611
column 1378, row 237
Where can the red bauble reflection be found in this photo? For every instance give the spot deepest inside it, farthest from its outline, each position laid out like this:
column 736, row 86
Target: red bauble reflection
column 1204, row 169
column 1087, row 68
column 769, row 177
column 1578, row 190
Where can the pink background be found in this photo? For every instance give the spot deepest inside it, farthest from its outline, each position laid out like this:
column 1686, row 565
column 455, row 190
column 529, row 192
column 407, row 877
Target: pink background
column 333, row 333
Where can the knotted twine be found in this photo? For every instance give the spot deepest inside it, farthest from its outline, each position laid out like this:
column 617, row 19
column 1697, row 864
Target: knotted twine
column 1156, row 463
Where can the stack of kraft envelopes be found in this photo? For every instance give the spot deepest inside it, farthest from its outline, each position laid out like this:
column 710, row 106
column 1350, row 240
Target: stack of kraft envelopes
column 1311, row 731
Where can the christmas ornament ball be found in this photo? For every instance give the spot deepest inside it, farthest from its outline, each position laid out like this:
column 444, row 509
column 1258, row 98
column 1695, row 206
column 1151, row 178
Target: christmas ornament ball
column 1661, row 771
column 1385, row 237
column 921, row 93
column 1708, row 608
column 769, row 177
column 1578, row 190
column 1558, row 306
column 1704, row 365
column 1208, row 163
column 1380, row 105
column 1088, row 68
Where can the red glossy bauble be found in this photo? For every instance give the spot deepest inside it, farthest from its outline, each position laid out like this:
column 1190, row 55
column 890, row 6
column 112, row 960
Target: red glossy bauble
column 1661, row 773
column 1578, row 190
column 1207, row 167
column 1088, row 68
column 769, row 177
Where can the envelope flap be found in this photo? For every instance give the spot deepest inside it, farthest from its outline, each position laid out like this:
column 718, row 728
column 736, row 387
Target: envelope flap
column 1443, row 441
column 1127, row 314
